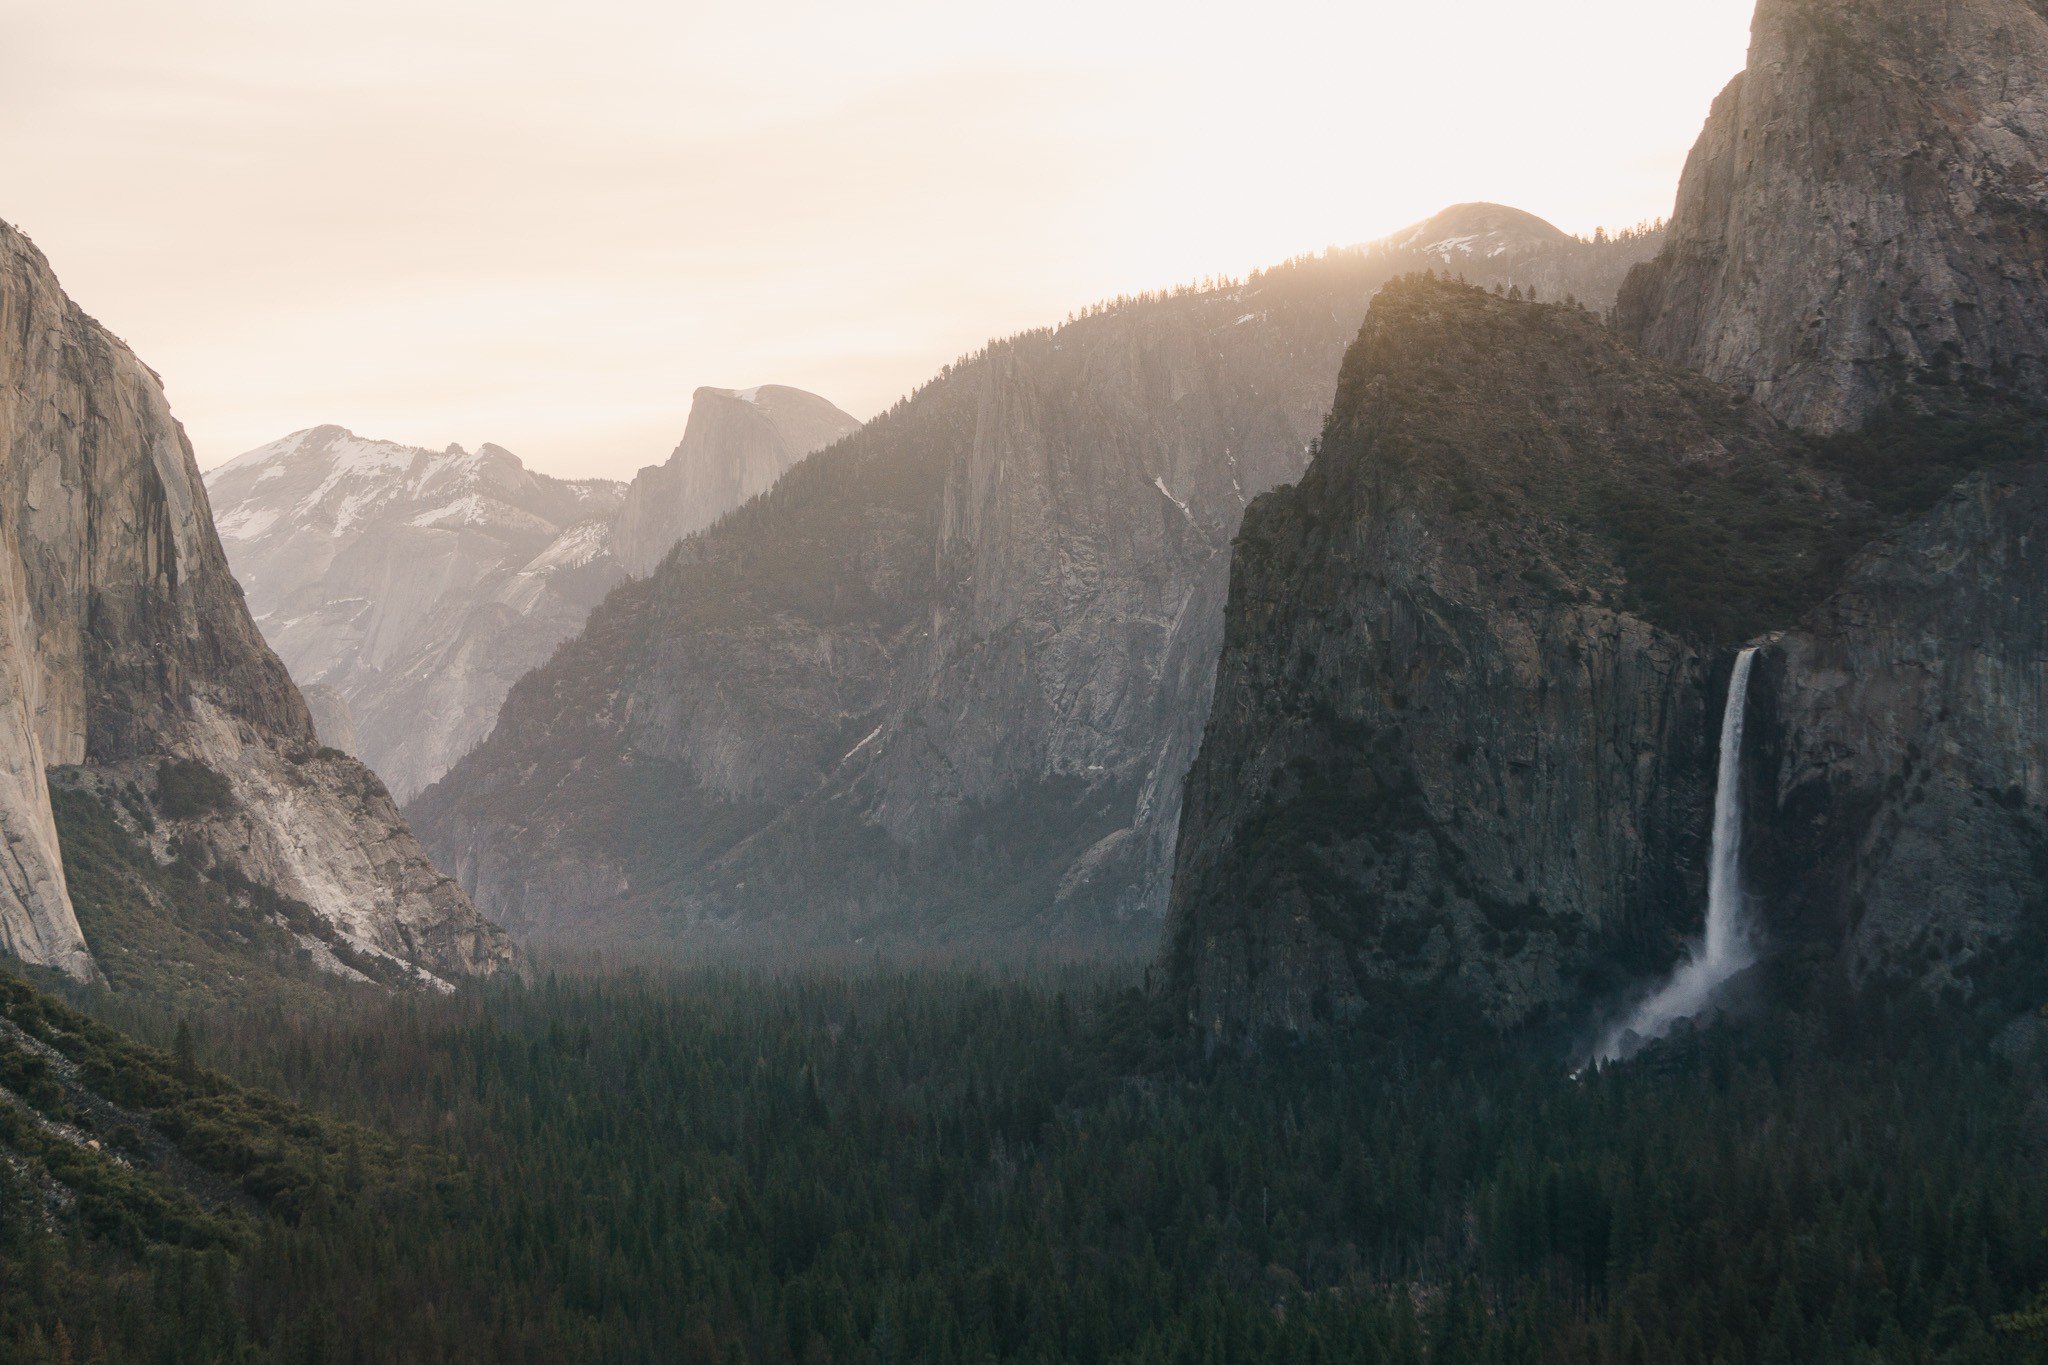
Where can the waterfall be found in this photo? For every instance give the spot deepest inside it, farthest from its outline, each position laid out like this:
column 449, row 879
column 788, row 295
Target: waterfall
column 1727, row 948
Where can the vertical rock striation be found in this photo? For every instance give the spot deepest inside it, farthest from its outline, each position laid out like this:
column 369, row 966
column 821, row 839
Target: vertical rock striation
column 1861, row 242
column 1906, row 768
column 127, row 645
column 1868, row 204
column 36, row 921
column 938, row 689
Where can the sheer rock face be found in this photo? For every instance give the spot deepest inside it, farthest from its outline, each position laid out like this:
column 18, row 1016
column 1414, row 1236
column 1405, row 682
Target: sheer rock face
column 124, row 642
column 1867, row 204
column 36, row 922
column 1859, row 247
column 1452, row 765
column 1901, row 770
column 412, row 587
column 736, row 445
column 939, row 688
column 1868, row 208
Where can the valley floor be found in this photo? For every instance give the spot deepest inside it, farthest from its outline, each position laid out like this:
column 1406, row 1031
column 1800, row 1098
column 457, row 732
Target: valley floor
column 933, row 1167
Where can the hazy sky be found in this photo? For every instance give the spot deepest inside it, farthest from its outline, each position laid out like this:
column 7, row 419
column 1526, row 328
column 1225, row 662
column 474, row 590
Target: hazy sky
column 544, row 223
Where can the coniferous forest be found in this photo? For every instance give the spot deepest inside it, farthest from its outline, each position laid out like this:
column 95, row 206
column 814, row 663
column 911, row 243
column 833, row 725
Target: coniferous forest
column 1478, row 797
column 935, row 1167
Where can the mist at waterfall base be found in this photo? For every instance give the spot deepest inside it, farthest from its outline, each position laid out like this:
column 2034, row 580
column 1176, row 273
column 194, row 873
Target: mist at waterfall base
column 1728, row 948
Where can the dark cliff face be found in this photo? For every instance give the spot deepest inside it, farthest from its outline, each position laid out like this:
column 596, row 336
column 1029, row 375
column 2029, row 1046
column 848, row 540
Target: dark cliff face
column 1867, row 205
column 1861, row 242
column 940, row 686
column 1461, row 750
column 1859, row 252
column 127, row 645
column 1901, row 783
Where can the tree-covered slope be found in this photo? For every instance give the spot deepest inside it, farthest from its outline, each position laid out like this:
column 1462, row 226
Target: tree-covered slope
column 928, row 1168
column 136, row 1185
column 937, row 690
column 1475, row 663
column 1462, row 744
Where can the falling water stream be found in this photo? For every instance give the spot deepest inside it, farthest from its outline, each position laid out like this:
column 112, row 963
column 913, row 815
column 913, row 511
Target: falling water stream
column 1728, row 948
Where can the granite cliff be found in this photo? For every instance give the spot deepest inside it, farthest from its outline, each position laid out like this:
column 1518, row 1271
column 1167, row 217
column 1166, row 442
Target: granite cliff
column 1900, row 777
column 132, row 669
column 1867, row 204
column 737, row 443
column 1861, row 243
column 1458, row 766
column 939, row 686
column 1461, row 739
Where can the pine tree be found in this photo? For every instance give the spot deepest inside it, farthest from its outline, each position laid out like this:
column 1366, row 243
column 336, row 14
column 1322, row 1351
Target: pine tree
column 183, row 1058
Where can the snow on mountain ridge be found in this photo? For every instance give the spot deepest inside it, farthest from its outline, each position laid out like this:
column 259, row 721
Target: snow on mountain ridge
column 332, row 479
column 1478, row 231
column 384, row 572
column 417, row 585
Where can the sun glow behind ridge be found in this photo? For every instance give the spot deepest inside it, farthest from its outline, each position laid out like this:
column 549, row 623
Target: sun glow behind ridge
column 544, row 225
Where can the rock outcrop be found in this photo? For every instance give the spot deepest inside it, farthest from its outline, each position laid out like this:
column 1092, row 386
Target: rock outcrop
column 1862, row 242
column 1868, row 204
column 737, row 443
column 939, row 687
column 1461, row 745
column 128, row 655
column 411, row 587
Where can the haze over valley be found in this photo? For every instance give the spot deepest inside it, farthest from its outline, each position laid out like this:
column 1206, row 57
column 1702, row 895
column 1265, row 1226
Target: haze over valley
column 1476, row 796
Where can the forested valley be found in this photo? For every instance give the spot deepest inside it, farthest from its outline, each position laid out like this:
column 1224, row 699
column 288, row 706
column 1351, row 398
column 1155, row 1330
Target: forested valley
column 922, row 1166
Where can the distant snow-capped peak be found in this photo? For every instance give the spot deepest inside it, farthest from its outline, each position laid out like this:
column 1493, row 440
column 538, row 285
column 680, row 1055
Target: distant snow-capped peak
column 329, row 479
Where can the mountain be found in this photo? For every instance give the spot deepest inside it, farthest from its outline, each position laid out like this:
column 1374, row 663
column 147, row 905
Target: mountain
column 1492, row 243
column 132, row 671
column 736, row 445
column 410, row 587
column 1461, row 769
column 937, row 690
column 1869, row 203
column 1462, row 723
